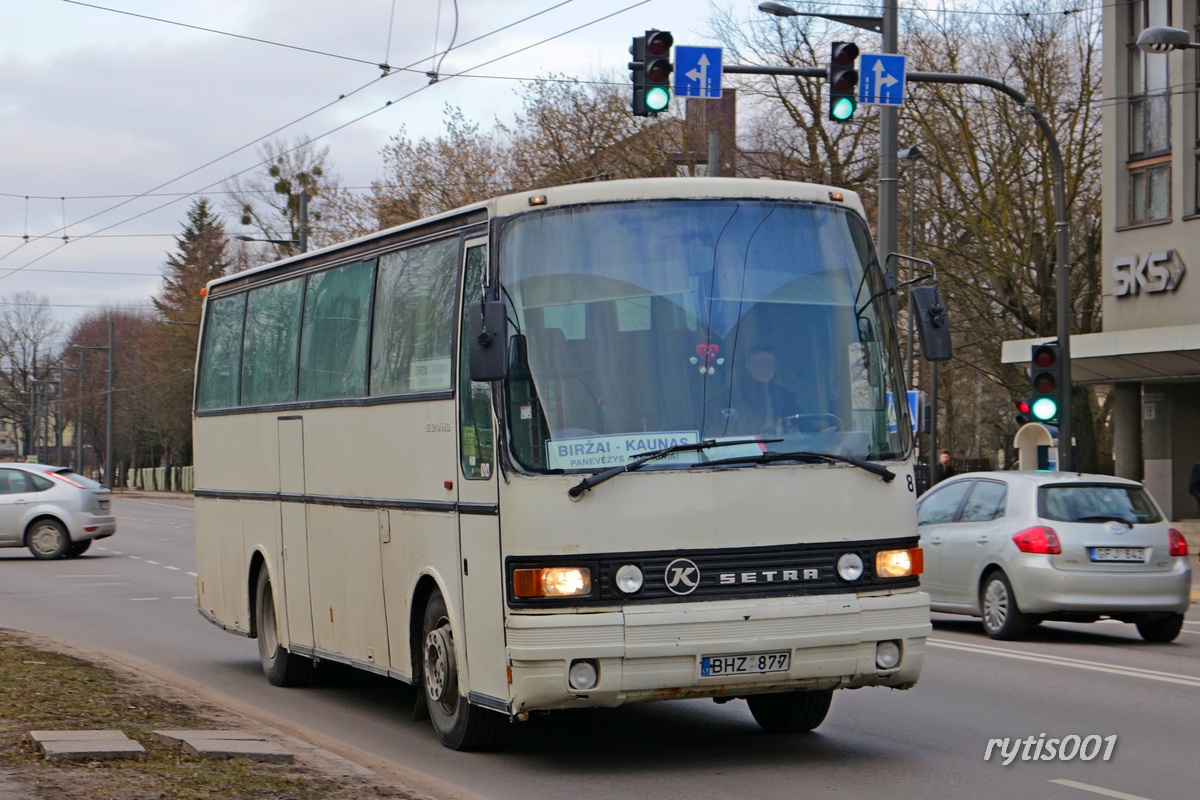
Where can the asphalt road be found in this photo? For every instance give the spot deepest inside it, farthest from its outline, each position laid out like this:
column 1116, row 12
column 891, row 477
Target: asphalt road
column 131, row 596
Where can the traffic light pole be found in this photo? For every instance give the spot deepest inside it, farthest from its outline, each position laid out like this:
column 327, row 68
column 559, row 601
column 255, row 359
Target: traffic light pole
column 1062, row 233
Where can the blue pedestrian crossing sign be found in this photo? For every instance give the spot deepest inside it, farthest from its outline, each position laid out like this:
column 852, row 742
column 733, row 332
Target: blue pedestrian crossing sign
column 881, row 80
column 698, row 72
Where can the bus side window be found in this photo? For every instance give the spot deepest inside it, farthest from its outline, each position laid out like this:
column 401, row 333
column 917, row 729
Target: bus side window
column 475, row 433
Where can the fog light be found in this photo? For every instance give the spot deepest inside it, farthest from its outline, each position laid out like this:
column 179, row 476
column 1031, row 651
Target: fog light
column 850, row 566
column 583, row 675
column 629, row 578
column 887, row 654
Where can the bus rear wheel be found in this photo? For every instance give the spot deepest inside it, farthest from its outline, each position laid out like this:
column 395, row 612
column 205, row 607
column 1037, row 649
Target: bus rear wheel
column 458, row 724
column 281, row 667
column 790, row 712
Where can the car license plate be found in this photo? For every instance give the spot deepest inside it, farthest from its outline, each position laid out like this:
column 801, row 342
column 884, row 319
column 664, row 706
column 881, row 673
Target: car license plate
column 1118, row 554
column 104, row 505
column 748, row 664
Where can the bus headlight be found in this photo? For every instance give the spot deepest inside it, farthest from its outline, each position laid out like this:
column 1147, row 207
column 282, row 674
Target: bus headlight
column 850, row 566
column 629, row 578
column 552, row 582
column 899, row 563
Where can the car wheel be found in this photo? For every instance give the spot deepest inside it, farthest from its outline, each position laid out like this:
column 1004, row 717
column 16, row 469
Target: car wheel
column 47, row 539
column 1001, row 617
column 790, row 712
column 78, row 548
column 458, row 724
column 1161, row 630
column 281, row 667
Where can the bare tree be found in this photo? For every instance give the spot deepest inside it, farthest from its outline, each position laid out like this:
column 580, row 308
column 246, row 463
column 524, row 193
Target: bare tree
column 269, row 199
column 28, row 342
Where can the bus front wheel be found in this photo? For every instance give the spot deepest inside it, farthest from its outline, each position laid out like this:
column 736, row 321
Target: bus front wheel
column 790, row 712
column 458, row 724
column 282, row 668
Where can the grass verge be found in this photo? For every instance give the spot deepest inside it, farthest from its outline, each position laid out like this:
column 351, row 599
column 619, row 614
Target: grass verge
column 43, row 689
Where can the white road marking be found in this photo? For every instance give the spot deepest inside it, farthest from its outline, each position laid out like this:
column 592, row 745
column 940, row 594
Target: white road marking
column 155, row 563
column 161, row 505
column 87, row 576
column 1087, row 787
column 143, row 598
column 194, row 575
column 185, row 597
column 1076, row 663
column 174, row 568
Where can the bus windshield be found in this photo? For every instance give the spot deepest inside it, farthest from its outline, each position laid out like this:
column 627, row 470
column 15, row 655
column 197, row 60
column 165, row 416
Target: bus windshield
column 639, row 326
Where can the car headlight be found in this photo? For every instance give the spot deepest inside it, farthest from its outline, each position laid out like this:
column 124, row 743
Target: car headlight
column 552, row 582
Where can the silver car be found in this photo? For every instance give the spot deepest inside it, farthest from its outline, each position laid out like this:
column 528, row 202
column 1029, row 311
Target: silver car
column 1017, row 548
column 53, row 511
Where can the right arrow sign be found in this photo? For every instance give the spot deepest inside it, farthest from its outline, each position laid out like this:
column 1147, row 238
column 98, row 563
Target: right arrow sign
column 882, row 81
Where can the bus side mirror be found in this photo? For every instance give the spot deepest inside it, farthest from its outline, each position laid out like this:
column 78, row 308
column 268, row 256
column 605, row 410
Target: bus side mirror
column 486, row 341
column 932, row 325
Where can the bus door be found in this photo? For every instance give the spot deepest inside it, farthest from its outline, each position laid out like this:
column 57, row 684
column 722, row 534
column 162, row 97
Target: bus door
column 298, row 628
column 478, row 506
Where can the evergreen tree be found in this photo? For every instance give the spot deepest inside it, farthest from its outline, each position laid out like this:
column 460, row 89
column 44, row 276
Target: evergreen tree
column 200, row 257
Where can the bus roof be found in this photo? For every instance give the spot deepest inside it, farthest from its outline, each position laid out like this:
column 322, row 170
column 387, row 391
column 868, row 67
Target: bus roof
column 593, row 192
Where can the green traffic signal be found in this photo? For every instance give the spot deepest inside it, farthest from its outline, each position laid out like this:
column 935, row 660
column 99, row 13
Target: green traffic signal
column 657, row 98
column 843, row 80
column 1044, row 409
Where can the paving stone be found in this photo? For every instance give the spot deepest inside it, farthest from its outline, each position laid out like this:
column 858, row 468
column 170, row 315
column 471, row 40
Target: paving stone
column 226, row 744
column 86, row 745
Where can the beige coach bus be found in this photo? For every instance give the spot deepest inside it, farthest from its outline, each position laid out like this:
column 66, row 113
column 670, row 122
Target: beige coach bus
column 591, row 445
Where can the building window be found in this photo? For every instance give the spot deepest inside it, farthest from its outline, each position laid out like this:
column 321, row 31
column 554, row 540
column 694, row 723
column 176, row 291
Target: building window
column 1150, row 193
column 1149, row 134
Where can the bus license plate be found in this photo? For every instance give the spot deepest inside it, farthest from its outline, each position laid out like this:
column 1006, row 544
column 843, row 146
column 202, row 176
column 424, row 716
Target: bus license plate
column 1118, row 554
column 749, row 664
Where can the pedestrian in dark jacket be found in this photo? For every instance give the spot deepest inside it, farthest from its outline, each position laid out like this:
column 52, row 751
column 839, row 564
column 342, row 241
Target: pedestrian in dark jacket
column 944, row 468
column 1194, row 483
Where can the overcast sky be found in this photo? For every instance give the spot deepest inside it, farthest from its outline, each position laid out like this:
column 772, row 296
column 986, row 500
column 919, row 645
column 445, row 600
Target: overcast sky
column 113, row 120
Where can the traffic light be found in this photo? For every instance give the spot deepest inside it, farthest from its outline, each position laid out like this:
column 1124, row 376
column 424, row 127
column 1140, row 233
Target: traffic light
column 650, row 71
column 658, row 69
column 1024, row 411
column 843, row 80
column 637, row 75
column 1045, row 377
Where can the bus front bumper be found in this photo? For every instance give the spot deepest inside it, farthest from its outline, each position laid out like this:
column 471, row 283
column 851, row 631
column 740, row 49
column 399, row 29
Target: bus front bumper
column 644, row 653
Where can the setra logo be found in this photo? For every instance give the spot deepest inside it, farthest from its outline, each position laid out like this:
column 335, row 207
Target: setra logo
column 682, row 576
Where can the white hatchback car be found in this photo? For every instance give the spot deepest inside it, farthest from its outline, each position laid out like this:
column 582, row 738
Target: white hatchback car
column 53, row 511
column 1017, row 548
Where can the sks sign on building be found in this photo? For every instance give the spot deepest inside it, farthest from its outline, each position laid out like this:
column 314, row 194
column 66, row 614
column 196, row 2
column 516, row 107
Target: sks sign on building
column 1149, row 273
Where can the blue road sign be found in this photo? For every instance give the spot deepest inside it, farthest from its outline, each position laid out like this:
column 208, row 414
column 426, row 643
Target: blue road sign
column 698, row 72
column 881, row 80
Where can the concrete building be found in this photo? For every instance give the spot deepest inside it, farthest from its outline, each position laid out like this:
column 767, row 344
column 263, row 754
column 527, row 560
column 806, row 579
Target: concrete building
column 1149, row 350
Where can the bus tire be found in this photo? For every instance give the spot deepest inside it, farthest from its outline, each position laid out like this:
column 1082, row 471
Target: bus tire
column 1001, row 617
column 790, row 712
column 281, row 667
column 458, row 724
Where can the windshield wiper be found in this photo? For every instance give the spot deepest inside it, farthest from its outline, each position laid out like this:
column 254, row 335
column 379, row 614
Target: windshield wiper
column 810, row 457
column 1103, row 518
column 640, row 461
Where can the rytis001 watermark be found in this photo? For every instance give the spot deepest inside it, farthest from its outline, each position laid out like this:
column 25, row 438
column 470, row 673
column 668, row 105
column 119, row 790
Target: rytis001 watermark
column 1039, row 748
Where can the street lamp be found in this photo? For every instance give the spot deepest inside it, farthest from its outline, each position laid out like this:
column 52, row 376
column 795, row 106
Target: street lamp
column 280, row 242
column 108, row 433
column 1161, row 39
column 910, row 156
